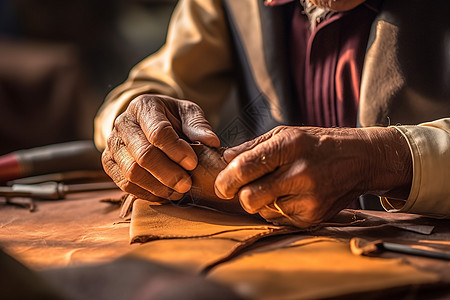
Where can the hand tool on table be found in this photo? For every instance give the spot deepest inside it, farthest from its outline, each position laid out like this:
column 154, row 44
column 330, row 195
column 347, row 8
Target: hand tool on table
column 415, row 250
column 70, row 156
column 52, row 190
column 360, row 246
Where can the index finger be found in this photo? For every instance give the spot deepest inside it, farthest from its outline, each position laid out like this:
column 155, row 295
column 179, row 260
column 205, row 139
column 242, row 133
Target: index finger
column 161, row 133
column 247, row 167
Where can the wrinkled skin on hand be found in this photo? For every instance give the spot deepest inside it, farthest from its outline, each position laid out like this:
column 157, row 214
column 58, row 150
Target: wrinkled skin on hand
column 148, row 152
column 303, row 176
column 210, row 163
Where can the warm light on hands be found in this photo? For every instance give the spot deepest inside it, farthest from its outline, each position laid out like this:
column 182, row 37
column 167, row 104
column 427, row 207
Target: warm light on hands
column 306, row 175
column 147, row 153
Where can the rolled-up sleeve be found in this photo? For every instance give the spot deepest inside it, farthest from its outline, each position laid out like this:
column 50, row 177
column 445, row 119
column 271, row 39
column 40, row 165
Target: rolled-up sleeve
column 429, row 144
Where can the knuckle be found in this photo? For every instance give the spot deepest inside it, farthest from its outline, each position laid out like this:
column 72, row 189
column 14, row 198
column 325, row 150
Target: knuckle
column 313, row 208
column 144, row 155
column 197, row 121
column 114, row 142
column 119, row 120
column 106, row 160
column 145, row 99
column 123, row 123
column 160, row 132
column 253, row 143
column 133, row 172
column 190, row 107
column 137, row 101
column 125, row 185
column 129, row 187
column 161, row 192
column 174, row 180
column 143, row 105
column 278, row 129
column 110, row 141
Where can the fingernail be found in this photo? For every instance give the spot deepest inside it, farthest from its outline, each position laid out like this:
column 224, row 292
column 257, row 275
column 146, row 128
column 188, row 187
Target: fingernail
column 188, row 163
column 244, row 197
column 184, row 185
column 212, row 140
column 220, row 194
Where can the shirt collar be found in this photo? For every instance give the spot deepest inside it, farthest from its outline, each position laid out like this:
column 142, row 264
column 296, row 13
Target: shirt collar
column 314, row 14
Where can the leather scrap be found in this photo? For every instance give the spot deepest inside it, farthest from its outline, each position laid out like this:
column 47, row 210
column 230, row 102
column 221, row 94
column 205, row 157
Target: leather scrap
column 317, row 270
column 152, row 221
column 164, row 227
column 210, row 163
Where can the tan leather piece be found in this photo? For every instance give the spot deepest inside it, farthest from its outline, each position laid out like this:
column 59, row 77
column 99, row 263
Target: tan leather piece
column 192, row 255
column 315, row 270
column 194, row 238
column 236, row 250
column 70, row 232
column 153, row 221
column 210, row 163
column 82, row 230
column 150, row 221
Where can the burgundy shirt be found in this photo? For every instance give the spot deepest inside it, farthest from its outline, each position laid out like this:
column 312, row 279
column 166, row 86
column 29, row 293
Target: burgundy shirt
column 327, row 63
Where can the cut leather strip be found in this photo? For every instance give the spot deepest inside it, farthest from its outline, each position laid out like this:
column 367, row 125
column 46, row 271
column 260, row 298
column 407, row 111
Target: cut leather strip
column 243, row 246
column 152, row 221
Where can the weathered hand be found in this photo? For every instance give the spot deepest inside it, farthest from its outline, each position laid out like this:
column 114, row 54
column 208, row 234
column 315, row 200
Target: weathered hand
column 148, row 153
column 303, row 175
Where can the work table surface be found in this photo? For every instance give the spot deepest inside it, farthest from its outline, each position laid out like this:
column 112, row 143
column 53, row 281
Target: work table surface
column 83, row 231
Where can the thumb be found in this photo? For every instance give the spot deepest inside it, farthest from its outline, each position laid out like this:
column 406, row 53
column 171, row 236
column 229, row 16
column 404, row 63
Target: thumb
column 195, row 126
column 231, row 153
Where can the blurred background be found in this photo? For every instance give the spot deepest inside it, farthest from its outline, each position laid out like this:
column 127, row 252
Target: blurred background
column 59, row 59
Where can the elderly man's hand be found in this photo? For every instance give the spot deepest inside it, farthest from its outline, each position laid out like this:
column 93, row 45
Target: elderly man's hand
column 303, row 176
column 148, row 153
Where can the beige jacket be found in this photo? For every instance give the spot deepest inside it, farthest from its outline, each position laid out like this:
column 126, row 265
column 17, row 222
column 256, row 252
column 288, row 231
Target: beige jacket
column 198, row 63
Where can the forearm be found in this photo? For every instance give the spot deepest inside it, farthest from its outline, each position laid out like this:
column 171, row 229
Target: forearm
column 389, row 165
column 411, row 163
column 194, row 64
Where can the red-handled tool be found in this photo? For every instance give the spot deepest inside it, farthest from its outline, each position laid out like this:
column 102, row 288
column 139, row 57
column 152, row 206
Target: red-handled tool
column 52, row 190
column 77, row 155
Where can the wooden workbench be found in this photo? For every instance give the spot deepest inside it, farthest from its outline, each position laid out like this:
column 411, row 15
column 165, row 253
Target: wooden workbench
column 72, row 235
